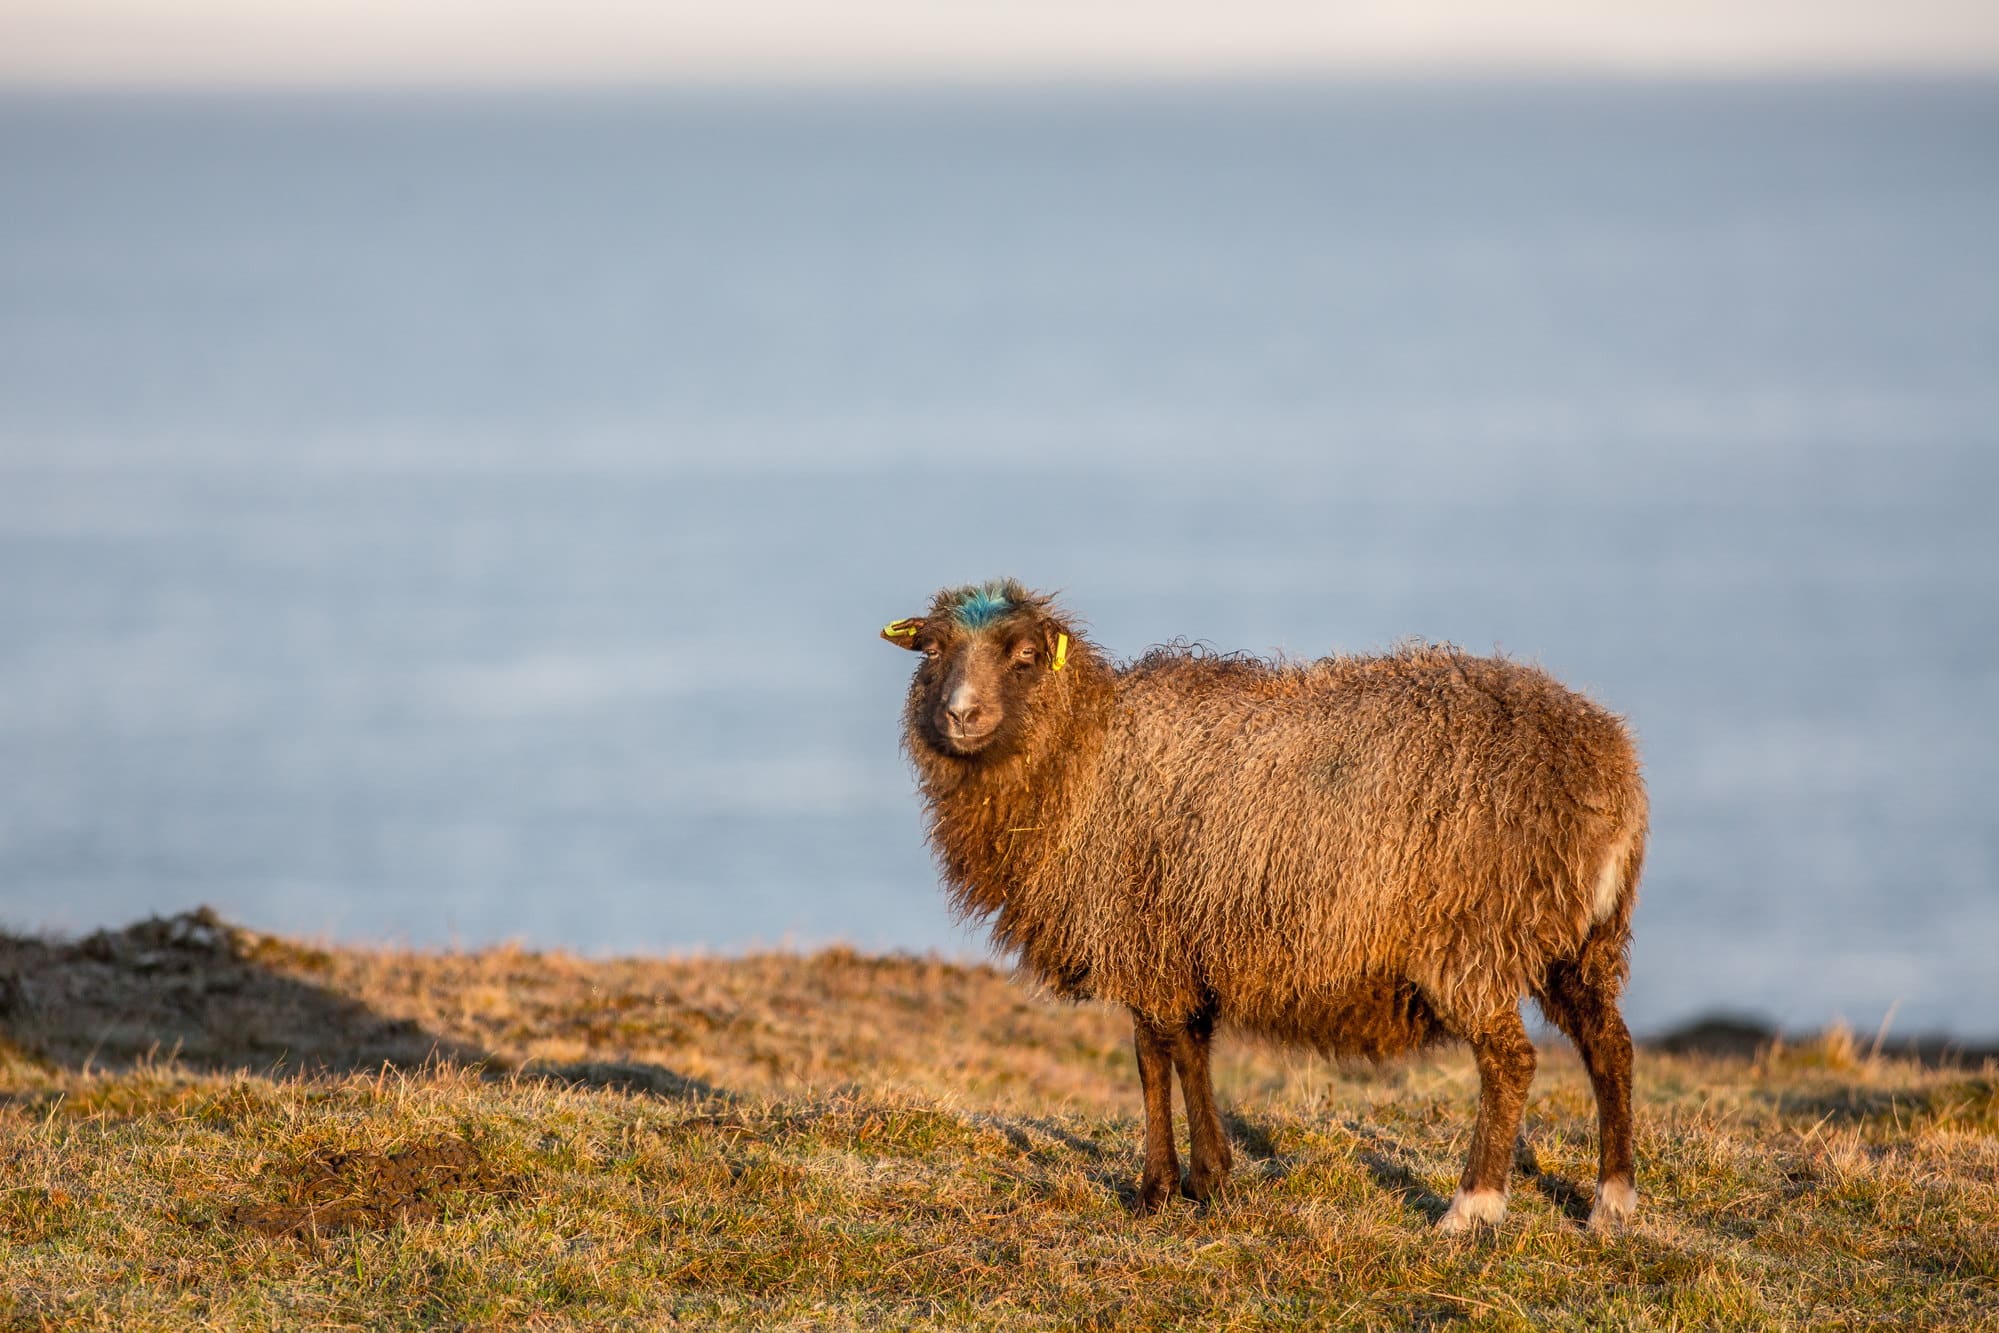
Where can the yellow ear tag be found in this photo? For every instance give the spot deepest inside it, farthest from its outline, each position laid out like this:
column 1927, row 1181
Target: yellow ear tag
column 899, row 629
column 1061, row 651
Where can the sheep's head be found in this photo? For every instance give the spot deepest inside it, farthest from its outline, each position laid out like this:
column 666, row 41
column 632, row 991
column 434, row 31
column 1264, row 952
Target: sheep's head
column 991, row 657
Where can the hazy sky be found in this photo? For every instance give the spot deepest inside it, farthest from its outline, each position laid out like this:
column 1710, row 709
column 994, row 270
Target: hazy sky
column 425, row 42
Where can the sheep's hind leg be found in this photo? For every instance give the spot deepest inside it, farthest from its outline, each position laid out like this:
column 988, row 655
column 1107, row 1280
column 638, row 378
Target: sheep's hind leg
column 1155, row 1076
column 1213, row 1159
column 1587, row 1015
column 1505, row 1068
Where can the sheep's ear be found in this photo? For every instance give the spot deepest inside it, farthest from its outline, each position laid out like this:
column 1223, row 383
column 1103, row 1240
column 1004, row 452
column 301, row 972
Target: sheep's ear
column 902, row 633
column 1055, row 644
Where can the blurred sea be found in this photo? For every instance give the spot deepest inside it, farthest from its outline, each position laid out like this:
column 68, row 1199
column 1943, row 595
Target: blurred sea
column 454, row 520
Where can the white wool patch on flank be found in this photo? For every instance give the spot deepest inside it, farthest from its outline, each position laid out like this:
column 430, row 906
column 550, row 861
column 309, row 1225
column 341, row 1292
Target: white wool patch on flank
column 1610, row 880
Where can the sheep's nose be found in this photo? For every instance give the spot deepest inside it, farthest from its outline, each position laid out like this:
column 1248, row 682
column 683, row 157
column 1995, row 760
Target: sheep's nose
column 963, row 710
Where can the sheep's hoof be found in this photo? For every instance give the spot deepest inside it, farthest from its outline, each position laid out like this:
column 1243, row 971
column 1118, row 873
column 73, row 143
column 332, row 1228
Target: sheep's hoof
column 1153, row 1192
column 1206, row 1186
column 1616, row 1201
column 1472, row 1208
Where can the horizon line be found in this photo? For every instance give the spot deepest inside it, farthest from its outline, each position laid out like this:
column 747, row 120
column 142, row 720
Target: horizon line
column 861, row 82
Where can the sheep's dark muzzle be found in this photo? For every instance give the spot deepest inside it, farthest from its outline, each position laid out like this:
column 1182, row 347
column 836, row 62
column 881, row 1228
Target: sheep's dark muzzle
column 954, row 738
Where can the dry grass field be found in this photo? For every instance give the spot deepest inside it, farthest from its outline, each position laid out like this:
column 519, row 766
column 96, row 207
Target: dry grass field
column 204, row 1127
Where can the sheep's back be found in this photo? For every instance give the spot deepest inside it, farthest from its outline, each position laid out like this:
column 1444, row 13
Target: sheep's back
column 1283, row 834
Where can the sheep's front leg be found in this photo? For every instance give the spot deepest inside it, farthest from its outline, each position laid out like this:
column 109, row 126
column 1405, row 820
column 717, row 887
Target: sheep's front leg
column 1155, row 1076
column 1213, row 1158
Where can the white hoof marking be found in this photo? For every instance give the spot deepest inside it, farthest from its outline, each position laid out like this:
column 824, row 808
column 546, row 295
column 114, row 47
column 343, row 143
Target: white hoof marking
column 1616, row 1201
column 1469, row 1209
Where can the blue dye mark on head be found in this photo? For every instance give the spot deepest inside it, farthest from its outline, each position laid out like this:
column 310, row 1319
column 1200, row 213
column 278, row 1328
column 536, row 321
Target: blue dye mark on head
column 980, row 607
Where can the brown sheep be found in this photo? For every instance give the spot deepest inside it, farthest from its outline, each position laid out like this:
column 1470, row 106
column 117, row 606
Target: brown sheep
column 1363, row 854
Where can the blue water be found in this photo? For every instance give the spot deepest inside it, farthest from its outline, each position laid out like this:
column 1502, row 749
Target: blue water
column 457, row 520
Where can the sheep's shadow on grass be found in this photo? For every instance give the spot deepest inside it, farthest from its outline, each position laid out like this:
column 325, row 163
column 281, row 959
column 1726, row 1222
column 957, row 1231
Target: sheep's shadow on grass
column 1115, row 1168
column 1565, row 1194
column 1255, row 1142
column 1257, row 1158
column 1111, row 1167
column 1039, row 1136
column 1119, row 1182
column 1390, row 1165
column 194, row 991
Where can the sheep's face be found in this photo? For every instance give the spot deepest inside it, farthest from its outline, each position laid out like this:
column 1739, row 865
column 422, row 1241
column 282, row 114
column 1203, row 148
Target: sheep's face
column 988, row 654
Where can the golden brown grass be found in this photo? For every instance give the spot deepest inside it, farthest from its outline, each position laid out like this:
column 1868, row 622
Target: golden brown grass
column 203, row 1127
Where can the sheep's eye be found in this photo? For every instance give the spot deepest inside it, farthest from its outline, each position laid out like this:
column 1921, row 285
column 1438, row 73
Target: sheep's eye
column 930, row 650
column 1023, row 658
